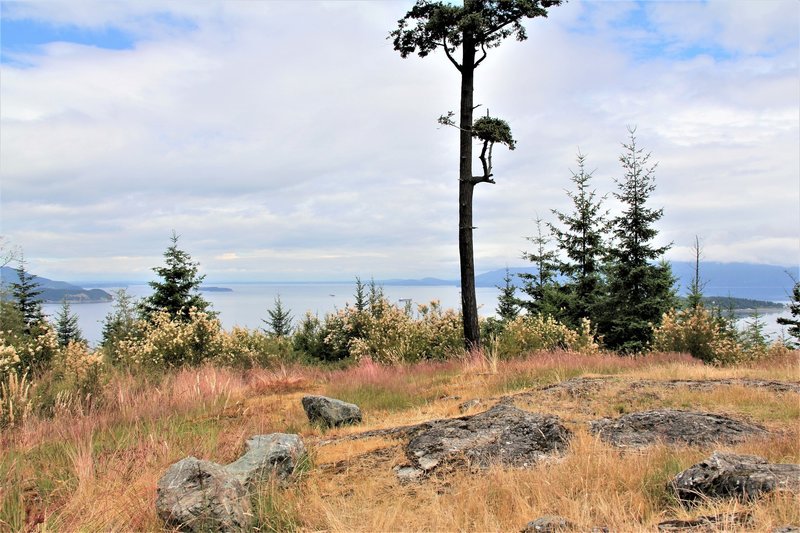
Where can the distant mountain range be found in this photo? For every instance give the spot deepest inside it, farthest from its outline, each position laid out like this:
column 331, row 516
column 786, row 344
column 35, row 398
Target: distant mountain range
column 739, row 280
column 54, row 291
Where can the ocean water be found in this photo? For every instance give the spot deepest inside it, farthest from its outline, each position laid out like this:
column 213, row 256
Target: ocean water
column 247, row 304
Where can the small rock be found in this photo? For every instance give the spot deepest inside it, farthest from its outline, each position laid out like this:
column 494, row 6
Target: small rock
column 504, row 434
column 787, row 529
column 407, row 473
column 274, row 454
column 330, row 412
column 469, row 404
column 549, row 524
column 195, row 495
column 673, row 426
column 737, row 476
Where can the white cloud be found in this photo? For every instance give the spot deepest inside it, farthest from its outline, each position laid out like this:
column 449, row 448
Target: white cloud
column 279, row 145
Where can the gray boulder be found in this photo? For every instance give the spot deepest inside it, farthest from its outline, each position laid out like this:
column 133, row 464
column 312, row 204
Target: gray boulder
column 673, row 426
column 736, row 476
column 330, row 412
column 197, row 495
column 275, row 454
column 504, row 434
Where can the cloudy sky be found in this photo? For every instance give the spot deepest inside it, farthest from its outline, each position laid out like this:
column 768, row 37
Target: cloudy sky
column 289, row 141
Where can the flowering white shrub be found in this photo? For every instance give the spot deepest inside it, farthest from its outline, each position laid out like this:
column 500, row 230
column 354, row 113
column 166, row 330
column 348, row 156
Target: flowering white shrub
column 532, row 333
column 9, row 360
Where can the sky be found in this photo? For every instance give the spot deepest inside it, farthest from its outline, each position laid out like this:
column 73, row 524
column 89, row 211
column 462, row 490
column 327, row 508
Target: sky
column 289, row 141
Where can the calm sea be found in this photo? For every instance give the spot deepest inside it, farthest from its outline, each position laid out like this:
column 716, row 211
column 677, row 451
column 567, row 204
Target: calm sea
column 247, row 304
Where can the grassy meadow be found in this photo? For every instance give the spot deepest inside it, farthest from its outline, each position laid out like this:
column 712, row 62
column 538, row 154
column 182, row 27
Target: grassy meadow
column 97, row 470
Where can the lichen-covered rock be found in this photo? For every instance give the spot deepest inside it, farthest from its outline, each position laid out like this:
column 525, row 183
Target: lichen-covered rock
column 504, row 434
column 330, row 412
column 731, row 475
column 267, row 455
column 549, row 524
column 673, row 426
column 197, row 495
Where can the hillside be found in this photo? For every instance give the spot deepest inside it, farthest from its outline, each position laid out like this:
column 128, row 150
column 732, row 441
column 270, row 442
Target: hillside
column 739, row 280
column 55, row 291
column 98, row 470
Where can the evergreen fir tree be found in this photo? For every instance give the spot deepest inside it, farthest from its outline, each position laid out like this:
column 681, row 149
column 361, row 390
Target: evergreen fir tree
column 794, row 309
column 67, row 329
column 694, row 298
column 361, row 296
column 507, row 306
column 541, row 287
column 119, row 323
column 280, row 319
column 581, row 242
column 178, row 292
column 638, row 291
column 25, row 293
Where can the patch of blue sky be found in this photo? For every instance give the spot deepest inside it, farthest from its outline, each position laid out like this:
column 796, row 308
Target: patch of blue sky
column 631, row 26
column 24, row 36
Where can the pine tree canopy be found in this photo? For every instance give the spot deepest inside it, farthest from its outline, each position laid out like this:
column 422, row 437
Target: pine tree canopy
column 178, row 291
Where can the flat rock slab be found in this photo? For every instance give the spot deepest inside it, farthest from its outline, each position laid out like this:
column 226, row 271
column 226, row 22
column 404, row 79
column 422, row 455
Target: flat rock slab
column 504, row 434
column 673, row 427
column 330, row 412
column 276, row 454
column 728, row 475
column 197, row 495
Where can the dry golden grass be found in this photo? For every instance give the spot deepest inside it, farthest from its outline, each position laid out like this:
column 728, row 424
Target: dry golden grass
column 97, row 471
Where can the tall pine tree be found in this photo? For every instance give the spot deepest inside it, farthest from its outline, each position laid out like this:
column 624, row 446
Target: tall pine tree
column 639, row 291
column 178, row 291
column 579, row 236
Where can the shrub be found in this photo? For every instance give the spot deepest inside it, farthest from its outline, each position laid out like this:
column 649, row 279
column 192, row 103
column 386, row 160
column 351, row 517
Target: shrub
column 532, row 333
column 33, row 347
column 244, row 348
column 163, row 341
column 712, row 338
column 394, row 335
column 693, row 331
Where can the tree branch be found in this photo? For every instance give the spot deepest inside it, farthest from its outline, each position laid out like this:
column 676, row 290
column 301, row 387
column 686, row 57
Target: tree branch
column 486, row 162
column 479, row 61
column 449, row 55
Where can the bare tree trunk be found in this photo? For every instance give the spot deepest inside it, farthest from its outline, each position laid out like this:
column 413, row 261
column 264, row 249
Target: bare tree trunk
column 469, row 306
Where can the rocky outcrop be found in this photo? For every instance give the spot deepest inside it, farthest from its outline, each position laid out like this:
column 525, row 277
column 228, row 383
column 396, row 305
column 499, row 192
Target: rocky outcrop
column 729, row 475
column 197, row 495
column 504, row 434
column 673, row 426
column 330, row 412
